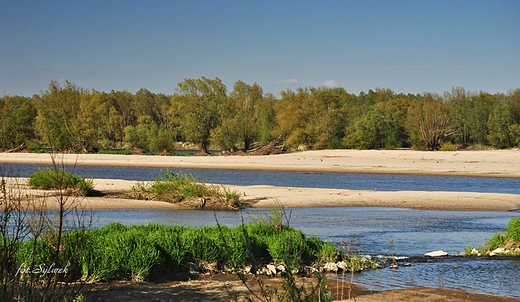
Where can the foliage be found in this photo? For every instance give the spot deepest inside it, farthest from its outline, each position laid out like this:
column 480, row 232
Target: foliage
column 429, row 122
column 513, row 229
column 448, row 147
column 174, row 187
column 17, row 122
column 373, row 130
column 500, row 121
column 50, row 178
column 511, row 238
column 496, row 241
column 201, row 111
column 203, row 101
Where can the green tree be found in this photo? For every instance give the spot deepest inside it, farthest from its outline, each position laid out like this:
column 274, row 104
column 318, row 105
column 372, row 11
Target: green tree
column 312, row 117
column 428, row 122
column 17, row 122
column 58, row 110
column 501, row 134
column 327, row 117
column 373, row 130
column 266, row 118
column 291, row 118
column 470, row 115
column 203, row 103
column 114, row 127
column 397, row 109
column 239, row 128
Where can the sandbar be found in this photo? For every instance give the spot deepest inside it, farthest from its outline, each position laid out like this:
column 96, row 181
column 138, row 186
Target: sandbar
column 485, row 163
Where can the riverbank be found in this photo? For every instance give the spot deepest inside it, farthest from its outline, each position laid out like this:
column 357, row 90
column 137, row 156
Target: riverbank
column 483, row 163
column 218, row 288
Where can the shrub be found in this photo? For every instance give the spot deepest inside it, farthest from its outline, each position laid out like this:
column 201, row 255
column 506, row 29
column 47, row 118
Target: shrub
column 496, row 241
column 513, row 229
column 174, row 187
column 448, row 147
column 49, row 178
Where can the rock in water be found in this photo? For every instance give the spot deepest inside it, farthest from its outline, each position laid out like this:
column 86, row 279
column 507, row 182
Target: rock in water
column 436, row 254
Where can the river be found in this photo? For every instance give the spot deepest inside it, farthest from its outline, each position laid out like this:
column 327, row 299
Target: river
column 413, row 232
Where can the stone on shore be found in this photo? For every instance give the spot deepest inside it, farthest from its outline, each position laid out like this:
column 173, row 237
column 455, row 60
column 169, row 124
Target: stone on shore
column 497, row 251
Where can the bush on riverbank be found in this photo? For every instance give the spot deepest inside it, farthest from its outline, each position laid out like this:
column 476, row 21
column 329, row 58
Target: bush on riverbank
column 50, row 179
column 179, row 187
column 508, row 242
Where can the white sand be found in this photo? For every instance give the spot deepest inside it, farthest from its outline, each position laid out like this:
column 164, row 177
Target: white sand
column 489, row 163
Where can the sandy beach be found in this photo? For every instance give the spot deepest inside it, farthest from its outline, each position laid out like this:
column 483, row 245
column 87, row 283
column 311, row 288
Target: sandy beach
column 486, row 163
column 489, row 163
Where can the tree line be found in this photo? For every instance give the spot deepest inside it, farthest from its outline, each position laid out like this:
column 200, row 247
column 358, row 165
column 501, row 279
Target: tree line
column 202, row 111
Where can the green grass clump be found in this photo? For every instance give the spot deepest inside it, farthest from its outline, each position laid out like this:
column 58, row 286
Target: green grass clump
column 118, row 152
column 510, row 240
column 448, row 147
column 513, row 229
column 174, row 187
column 49, row 178
column 144, row 252
column 496, row 241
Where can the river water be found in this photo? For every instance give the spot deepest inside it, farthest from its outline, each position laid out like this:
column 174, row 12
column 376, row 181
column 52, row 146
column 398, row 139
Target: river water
column 380, row 182
column 413, row 232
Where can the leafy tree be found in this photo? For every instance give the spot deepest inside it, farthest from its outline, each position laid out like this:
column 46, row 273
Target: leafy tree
column 114, row 127
column 373, row 130
column 227, row 135
column 266, row 118
column 58, row 109
column 313, row 117
column 291, row 118
column 146, row 135
column 501, row 135
column 240, row 125
column 202, row 101
column 17, row 122
column 470, row 115
column 397, row 109
column 428, row 122
column 327, row 117
column 122, row 102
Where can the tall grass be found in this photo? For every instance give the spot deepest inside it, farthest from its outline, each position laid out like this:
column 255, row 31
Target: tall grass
column 176, row 187
column 140, row 252
column 50, row 178
column 509, row 240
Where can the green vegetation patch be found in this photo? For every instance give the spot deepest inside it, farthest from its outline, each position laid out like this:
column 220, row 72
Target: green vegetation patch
column 178, row 187
column 513, row 229
column 509, row 242
column 143, row 252
column 50, row 179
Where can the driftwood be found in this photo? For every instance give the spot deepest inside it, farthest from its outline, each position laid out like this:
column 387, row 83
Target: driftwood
column 17, row 149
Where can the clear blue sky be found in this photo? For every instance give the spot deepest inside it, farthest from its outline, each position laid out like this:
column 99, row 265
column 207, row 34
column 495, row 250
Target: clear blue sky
column 407, row 46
